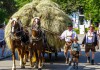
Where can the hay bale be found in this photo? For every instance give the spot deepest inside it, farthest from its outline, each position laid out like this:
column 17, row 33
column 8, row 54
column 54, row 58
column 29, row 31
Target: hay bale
column 53, row 19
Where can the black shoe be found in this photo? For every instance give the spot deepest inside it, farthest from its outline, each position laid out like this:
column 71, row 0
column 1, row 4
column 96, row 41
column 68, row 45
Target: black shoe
column 74, row 66
column 92, row 62
column 88, row 60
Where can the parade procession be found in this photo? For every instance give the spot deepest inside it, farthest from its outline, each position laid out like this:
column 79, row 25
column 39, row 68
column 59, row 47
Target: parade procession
column 49, row 35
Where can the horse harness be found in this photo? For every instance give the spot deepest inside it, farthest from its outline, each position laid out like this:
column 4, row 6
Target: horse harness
column 19, row 34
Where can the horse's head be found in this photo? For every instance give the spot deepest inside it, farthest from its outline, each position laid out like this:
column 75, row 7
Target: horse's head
column 36, row 26
column 16, row 26
column 35, row 23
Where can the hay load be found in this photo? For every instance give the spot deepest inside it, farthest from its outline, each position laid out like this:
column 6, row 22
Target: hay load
column 53, row 20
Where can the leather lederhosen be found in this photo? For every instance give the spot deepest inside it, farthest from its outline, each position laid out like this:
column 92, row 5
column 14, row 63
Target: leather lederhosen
column 90, row 46
column 68, row 44
column 75, row 54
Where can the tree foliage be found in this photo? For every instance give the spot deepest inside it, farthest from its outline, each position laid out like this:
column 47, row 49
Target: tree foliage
column 20, row 3
column 8, row 7
column 90, row 8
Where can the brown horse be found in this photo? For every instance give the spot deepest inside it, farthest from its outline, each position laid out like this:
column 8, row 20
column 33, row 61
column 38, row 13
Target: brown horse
column 37, row 41
column 16, row 41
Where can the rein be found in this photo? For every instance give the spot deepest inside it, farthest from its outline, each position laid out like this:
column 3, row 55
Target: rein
column 49, row 31
column 37, row 39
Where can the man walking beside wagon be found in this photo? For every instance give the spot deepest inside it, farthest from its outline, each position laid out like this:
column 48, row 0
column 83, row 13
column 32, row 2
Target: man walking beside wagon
column 68, row 35
column 90, row 41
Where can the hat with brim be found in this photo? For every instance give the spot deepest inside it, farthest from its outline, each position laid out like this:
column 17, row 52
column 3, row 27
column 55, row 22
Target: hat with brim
column 70, row 25
column 91, row 26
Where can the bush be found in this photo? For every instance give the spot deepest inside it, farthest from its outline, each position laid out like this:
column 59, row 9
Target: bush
column 76, row 30
column 86, row 29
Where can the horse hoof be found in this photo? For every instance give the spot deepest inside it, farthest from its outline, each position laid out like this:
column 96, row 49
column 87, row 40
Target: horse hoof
column 13, row 68
column 35, row 66
column 22, row 67
column 39, row 69
column 42, row 65
column 32, row 65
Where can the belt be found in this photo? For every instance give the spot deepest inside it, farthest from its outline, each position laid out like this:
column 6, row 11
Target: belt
column 75, row 47
column 89, row 43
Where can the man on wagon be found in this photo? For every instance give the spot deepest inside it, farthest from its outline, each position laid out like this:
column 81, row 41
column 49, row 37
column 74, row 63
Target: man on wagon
column 68, row 35
column 90, row 40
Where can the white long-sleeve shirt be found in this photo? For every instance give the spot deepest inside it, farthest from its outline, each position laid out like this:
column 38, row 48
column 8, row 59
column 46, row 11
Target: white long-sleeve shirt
column 68, row 35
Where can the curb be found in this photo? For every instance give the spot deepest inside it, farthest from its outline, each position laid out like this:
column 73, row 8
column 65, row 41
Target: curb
column 5, row 57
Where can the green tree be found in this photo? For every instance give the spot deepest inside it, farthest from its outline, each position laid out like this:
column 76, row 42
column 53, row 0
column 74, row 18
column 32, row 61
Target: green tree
column 90, row 8
column 69, row 6
column 20, row 3
column 8, row 7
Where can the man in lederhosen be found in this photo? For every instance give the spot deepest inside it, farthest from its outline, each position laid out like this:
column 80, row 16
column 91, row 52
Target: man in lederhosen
column 68, row 35
column 90, row 40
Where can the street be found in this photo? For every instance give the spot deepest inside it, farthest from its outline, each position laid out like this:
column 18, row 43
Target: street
column 56, row 64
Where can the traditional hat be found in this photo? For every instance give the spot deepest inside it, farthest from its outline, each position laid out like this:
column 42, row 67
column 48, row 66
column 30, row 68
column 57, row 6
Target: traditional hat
column 91, row 26
column 70, row 25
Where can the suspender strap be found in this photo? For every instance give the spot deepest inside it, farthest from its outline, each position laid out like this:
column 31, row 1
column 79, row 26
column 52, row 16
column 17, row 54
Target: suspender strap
column 92, row 38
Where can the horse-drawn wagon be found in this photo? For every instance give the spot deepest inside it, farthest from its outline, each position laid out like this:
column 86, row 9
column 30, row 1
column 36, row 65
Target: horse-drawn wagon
column 50, row 48
column 53, row 21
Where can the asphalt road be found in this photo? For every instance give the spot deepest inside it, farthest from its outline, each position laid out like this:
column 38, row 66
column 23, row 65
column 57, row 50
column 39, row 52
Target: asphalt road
column 56, row 64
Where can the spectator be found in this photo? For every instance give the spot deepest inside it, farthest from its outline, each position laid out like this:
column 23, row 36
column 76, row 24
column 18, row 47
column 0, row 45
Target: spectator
column 2, row 41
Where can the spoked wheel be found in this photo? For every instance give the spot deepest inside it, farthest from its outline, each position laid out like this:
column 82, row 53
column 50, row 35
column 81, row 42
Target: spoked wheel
column 56, row 55
column 50, row 55
column 39, row 69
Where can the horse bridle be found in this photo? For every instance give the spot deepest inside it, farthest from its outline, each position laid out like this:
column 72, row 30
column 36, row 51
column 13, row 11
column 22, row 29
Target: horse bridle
column 13, row 26
column 35, row 26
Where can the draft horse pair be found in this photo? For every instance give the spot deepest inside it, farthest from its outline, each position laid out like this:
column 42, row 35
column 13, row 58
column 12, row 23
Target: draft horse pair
column 20, row 39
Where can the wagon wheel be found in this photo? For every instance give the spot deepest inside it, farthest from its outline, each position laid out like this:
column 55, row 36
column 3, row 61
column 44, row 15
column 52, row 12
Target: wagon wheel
column 56, row 55
column 50, row 55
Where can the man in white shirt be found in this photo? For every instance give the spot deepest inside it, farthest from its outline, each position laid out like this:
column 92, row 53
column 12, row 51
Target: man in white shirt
column 68, row 35
column 90, row 40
